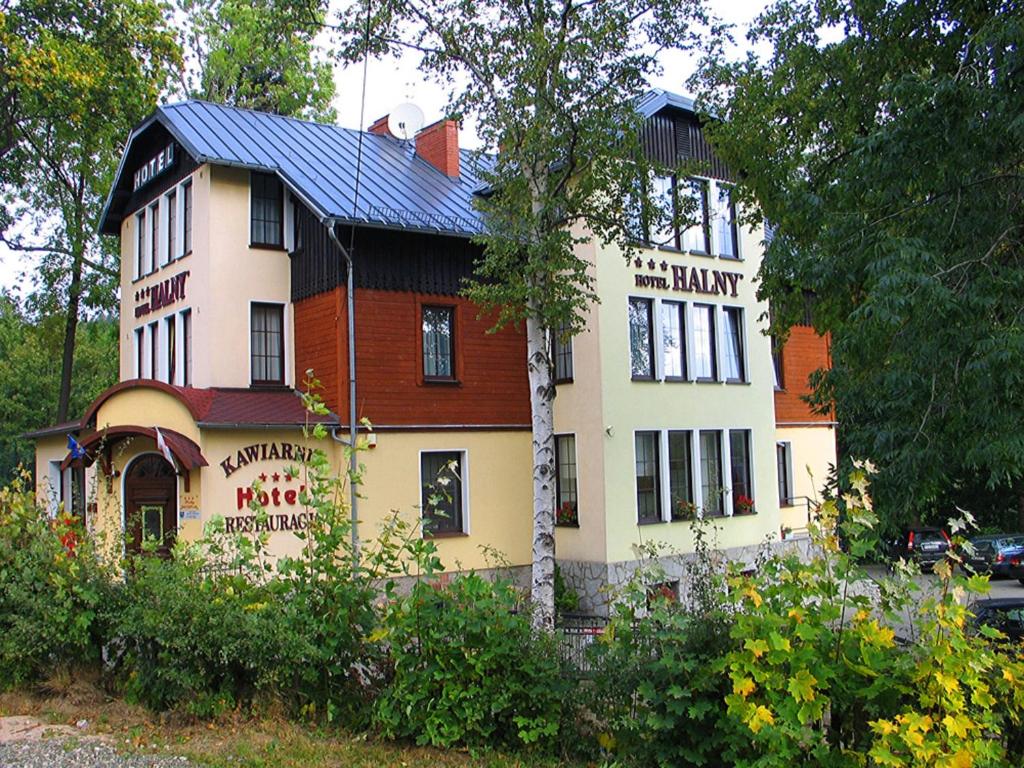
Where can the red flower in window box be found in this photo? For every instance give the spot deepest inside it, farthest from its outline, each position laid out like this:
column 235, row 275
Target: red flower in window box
column 744, row 505
column 566, row 514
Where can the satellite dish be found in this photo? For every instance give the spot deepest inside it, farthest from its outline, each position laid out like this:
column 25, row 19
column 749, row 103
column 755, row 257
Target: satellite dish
column 405, row 121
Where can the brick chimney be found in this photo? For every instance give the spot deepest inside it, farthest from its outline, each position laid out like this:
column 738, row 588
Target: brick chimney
column 380, row 126
column 438, row 144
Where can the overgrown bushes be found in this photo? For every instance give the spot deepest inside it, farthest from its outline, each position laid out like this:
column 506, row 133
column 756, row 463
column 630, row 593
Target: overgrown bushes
column 52, row 587
column 467, row 668
column 795, row 664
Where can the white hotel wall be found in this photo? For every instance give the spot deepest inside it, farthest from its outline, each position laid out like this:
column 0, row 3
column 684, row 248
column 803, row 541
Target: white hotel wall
column 225, row 275
column 630, row 405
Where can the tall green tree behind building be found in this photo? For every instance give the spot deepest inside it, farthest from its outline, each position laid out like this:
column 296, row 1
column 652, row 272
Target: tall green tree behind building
column 258, row 54
column 553, row 85
column 30, row 373
column 885, row 141
column 77, row 75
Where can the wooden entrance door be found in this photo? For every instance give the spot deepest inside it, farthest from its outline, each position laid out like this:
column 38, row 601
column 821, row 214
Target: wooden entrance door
column 151, row 504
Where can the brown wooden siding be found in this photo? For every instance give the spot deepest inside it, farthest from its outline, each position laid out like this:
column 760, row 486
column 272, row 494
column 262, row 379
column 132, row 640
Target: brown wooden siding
column 490, row 369
column 673, row 139
column 804, row 352
column 384, row 259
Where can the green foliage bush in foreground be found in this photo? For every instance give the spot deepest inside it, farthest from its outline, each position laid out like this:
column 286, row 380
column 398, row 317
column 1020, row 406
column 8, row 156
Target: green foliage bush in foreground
column 52, row 588
column 794, row 664
column 467, row 668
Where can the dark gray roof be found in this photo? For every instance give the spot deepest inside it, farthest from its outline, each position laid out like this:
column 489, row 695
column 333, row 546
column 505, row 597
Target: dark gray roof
column 397, row 189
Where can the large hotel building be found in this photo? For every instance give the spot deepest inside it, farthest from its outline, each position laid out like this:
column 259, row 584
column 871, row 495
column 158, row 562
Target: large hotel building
column 233, row 285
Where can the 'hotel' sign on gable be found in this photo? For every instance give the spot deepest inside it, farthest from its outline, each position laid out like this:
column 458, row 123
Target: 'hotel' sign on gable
column 156, row 165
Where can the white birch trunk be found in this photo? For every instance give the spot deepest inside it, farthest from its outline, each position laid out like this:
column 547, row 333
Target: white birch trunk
column 542, row 591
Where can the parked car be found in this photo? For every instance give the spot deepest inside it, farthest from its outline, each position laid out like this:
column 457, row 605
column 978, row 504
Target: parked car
column 993, row 553
column 922, row 545
column 1004, row 613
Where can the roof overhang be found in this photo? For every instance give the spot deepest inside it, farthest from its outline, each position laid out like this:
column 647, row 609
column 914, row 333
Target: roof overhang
column 185, row 451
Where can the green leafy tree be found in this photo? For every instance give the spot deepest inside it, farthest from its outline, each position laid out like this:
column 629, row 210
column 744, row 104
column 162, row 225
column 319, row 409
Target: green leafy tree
column 884, row 142
column 259, row 55
column 30, row 374
column 78, row 76
column 551, row 84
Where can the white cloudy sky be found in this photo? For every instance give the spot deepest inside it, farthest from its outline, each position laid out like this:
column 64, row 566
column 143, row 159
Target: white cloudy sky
column 392, row 82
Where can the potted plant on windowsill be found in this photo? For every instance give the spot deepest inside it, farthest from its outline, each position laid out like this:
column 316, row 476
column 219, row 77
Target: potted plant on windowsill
column 744, row 506
column 566, row 515
column 684, row 510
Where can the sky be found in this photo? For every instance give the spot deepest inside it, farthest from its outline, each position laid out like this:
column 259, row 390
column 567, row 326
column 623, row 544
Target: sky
column 395, row 81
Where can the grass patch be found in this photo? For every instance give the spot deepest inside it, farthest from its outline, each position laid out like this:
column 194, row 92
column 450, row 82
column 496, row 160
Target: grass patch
column 235, row 740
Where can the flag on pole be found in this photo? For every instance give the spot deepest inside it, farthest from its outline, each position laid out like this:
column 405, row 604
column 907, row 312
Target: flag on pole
column 162, row 446
column 77, row 451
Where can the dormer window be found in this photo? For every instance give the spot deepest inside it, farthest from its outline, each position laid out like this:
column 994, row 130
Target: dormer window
column 266, row 211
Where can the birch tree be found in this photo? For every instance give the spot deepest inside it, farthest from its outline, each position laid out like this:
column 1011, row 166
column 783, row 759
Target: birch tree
column 552, row 86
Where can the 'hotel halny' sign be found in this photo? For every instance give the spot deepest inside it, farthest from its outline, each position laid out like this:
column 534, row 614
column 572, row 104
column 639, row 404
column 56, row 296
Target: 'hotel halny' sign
column 712, row 282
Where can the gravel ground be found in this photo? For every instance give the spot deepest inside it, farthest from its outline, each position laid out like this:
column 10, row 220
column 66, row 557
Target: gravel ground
column 57, row 753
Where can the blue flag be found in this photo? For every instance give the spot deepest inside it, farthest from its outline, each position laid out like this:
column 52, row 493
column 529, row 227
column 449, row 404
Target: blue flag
column 77, row 451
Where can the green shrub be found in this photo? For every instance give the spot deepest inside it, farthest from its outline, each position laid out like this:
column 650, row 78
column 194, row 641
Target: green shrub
column 51, row 585
column 203, row 643
column 818, row 677
column 656, row 693
column 467, row 669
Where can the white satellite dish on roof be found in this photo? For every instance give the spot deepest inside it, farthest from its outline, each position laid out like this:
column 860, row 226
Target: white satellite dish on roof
column 405, row 121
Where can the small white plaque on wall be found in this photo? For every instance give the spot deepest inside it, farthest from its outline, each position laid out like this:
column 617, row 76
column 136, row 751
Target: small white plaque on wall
column 188, row 514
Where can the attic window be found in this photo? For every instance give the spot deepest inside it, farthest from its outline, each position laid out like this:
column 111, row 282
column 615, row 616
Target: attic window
column 266, row 211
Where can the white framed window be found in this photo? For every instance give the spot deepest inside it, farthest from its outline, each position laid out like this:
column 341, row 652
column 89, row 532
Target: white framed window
column 741, row 486
column 170, row 348
column 444, row 497
column 784, row 467
column 267, row 343
column 647, row 466
column 725, row 224
column 139, row 341
column 734, row 358
column 154, row 350
column 185, row 332
column 566, row 486
column 672, row 316
column 153, row 258
column 171, row 235
column 561, row 355
column 705, row 343
column 712, row 482
column 140, row 244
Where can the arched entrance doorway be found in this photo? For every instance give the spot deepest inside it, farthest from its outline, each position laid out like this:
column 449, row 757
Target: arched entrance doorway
column 150, row 504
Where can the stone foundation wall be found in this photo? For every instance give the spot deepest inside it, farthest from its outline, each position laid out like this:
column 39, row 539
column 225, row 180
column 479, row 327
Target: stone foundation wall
column 598, row 584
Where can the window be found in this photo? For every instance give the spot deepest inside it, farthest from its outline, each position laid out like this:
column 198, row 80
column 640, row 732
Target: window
column 739, row 464
column 186, row 348
column 567, row 509
column 441, row 483
column 154, row 351
column 267, row 210
column 680, row 475
column 704, row 347
column 186, row 218
column 172, row 361
column 784, row 467
column 777, row 371
column 725, row 223
column 172, row 225
column 711, row 472
column 641, row 350
column 140, row 353
column 438, row 347
column 154, row 243
column 648, row 487
column 735, row 367
column 267, row 344
column 662, row 231
column 140, row 244
column 673, row 344
column 694, row 197
column 561, row 355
